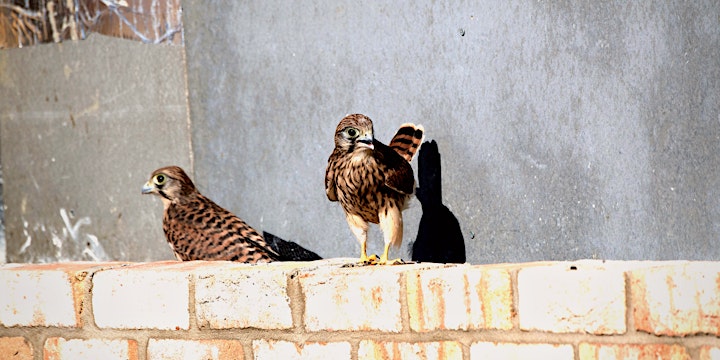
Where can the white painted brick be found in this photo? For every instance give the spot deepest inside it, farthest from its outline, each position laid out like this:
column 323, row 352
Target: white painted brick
column 587, row 351
column 709, row 353
column 91, row 349
column 36, row 298
column 364, row 298
column 271, row 350
column 557, row 298
column 459, row 298
column 146, row 296
column 171, row 349
column 44, row 294
column 243, row 296
column 677, row 299
column 386, row 350
column 512, row 351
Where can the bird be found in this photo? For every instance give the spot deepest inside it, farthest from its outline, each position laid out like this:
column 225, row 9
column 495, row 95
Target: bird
column 372, row 181
column 196, row 228
column 439, row 237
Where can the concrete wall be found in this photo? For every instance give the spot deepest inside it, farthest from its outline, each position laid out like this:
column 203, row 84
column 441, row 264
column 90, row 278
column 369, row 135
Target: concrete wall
column 568, row 130
column 83, row 124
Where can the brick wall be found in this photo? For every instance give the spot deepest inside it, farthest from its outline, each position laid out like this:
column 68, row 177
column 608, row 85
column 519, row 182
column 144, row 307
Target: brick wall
column 320, row 310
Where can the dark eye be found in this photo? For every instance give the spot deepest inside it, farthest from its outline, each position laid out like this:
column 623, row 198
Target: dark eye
column 160, row 179
column 352, row 132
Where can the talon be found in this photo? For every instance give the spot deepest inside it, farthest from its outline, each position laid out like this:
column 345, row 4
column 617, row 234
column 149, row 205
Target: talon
column 392, row 262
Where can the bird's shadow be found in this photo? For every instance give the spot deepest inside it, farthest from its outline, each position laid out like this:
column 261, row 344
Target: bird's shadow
column 439, row 237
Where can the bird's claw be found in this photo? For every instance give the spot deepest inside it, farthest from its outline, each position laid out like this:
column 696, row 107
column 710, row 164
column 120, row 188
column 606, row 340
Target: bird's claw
column 373, row 260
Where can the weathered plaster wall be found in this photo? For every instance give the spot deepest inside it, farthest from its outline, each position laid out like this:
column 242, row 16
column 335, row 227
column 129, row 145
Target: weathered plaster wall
column 83, row 124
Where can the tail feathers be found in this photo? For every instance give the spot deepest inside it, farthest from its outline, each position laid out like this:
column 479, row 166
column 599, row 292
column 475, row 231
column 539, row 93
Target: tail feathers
column 407, row 140
column 288, row 250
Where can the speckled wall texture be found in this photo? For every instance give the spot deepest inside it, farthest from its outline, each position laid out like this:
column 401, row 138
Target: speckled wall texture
column 567, row 129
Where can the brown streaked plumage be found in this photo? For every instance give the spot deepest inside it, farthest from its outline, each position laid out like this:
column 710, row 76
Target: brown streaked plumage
column 371, row 180
column 198, row 229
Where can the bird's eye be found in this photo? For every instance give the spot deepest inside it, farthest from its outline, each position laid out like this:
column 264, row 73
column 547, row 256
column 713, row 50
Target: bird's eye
column 352, row 132
column 159, row 179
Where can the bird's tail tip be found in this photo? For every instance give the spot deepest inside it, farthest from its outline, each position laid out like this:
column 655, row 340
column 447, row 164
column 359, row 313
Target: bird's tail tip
column 407, row 140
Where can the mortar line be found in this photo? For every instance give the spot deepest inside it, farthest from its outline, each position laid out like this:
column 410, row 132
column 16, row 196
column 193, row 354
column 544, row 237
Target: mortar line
column 514, row 286
column 404, row 307
column 297, row 302
column 142, row 345
column 354, row 349
column 629, row 320
column 192, row 321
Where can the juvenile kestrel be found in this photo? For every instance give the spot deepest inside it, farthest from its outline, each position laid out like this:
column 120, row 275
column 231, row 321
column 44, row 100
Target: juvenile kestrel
column 198, row 229
column 371, row 180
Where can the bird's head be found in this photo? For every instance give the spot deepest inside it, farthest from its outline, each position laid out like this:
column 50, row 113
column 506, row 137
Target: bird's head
column 354, row 132
column 170, row 183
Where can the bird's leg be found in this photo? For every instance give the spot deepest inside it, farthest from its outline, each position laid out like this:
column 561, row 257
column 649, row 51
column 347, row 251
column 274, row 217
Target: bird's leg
column 359, row 228
column 391, row 224
column 363, row 253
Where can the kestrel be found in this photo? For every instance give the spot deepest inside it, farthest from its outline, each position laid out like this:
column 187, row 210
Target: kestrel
column 372, row 181
column 439, row 238
column 198, row 229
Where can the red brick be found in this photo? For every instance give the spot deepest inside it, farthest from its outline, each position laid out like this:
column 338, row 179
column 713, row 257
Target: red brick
column 586, row 296
column 677, row 299
column 170, row 349
column 384, row 350
column 632, row 352
column 460, row 298
column 90, row 349
column 15, row 348
column 513, row 351
column 44, row 294
column 275, row 349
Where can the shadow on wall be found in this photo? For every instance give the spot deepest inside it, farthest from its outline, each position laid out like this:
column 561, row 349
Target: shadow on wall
column 439, row 237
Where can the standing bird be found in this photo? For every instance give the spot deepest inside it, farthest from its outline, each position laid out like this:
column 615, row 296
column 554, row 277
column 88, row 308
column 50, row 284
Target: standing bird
column 198, row 229
column 372, row 181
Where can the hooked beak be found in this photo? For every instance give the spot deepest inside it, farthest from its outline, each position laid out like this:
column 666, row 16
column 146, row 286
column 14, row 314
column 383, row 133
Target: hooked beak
column 366, row 141
column 148, row 188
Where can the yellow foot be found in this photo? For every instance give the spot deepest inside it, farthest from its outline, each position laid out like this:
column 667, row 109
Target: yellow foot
column 364, row 261
column 369, row 260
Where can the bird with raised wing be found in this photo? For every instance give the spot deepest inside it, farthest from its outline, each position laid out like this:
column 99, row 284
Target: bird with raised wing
column 372, row 181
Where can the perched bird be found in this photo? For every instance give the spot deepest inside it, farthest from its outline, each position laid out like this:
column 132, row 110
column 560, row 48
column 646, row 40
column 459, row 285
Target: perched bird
column 198, row 229
column 371, row 180
column 439, row 238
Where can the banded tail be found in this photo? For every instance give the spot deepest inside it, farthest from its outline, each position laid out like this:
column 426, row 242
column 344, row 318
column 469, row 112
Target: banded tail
column 407, row 140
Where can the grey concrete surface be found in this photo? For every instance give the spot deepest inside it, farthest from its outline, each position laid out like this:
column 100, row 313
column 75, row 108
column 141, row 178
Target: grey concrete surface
column 82, row 126
column 567, row 129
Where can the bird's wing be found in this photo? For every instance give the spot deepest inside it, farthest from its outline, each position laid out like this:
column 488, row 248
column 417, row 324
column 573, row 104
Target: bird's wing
column 329, row 179
column 398, row 172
